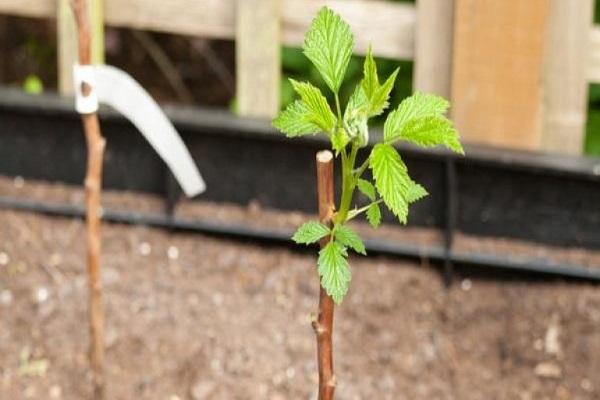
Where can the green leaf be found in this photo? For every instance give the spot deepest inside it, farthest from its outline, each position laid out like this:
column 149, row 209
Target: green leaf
column 432, row 131
column 339, row 140
column 374, row 215
column 355, row 117
column 328, row 44
column 310, row 232
column 347, row 237
column 366, row 188
column 319, row 112
column 358, row 104
column 417, row 106
column 295, row 121
column 334, row 270
column 379, row 100
column 415, row 192
column 391, row 179
column 370, row 82
column 377, row 95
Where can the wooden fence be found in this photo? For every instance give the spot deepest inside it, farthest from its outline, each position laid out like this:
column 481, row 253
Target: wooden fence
column 517, row 71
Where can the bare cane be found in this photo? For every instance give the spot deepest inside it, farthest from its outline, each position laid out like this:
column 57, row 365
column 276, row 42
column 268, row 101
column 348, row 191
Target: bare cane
column 93, row 186
column 323, row 325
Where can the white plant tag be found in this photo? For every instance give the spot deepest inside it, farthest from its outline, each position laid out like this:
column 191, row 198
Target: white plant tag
column 119, row 90
column 85, row 104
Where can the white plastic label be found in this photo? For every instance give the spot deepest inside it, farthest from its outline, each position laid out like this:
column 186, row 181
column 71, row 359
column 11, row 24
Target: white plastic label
column 119, row 90
column 85, row 103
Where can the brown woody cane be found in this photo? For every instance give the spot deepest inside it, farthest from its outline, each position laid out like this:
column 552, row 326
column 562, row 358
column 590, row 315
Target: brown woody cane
column 93, row 185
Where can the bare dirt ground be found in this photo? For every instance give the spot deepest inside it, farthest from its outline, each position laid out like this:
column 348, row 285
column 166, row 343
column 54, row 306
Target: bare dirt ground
column 194, row 317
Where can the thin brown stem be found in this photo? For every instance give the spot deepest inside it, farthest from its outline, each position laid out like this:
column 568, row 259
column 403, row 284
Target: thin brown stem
column 93, row 186
column 323, row 325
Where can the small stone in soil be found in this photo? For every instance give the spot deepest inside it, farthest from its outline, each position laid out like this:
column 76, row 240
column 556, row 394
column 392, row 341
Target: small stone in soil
column 173, row 253
column 586, row 385
column 217, row 299
column 41, row 295
column 145, row 248
column 6, row 297
column 551, row 342
column 19, row 182
column 55, row 392
column 548, row 370
column 466, row 285
column 201, row 390
column 4, row 259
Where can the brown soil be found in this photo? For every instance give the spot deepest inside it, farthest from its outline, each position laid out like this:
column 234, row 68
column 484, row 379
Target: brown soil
column 225, row 320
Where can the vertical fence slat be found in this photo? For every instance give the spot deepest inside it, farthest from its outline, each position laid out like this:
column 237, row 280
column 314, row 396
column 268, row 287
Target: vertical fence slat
column 67, row 47
column 258, row 64
column 97, row 24
column 497, row 71
column 67, row 41
column 565, row 75
column 433, row 52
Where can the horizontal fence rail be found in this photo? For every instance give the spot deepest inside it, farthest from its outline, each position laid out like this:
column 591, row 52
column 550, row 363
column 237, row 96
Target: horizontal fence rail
column 390, row 26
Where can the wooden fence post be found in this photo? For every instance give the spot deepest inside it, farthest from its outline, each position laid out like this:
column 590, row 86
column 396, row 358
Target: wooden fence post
column 258, row 52
column 497, row 71
column 565, row 75
column 67, row 41
column 433, row 52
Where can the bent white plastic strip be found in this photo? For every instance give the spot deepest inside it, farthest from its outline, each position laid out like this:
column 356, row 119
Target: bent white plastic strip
column 85, row 104
column 119, row 90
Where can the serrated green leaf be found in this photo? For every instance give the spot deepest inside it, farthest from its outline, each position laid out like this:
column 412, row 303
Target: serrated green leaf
column 328, row 44
column 432, row 131
column 374, row 215
column 310, row 232
column 319, row 111
column 415, row 192
column 334, row 270
column 339, row 140
column 417, row 106
column 377, row 95
column 391, row 179
column 366, row 188
column 294, row 121
column 347, row 237
column 358, row 104
column 379, row 100
column 370, row 82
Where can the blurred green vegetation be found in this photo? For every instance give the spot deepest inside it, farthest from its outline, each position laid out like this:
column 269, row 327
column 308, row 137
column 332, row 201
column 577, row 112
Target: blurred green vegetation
column 33, row 84
column 592, row 137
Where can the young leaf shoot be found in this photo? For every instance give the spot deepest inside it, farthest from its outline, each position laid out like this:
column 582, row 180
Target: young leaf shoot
column 419, row 119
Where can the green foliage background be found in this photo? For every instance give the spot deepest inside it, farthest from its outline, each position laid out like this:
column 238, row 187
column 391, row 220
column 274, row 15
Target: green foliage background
column 592, row 143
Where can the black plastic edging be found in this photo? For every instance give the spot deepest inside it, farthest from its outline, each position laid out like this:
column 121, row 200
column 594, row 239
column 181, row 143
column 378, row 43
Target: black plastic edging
column 281, row 237
column 541, row 198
